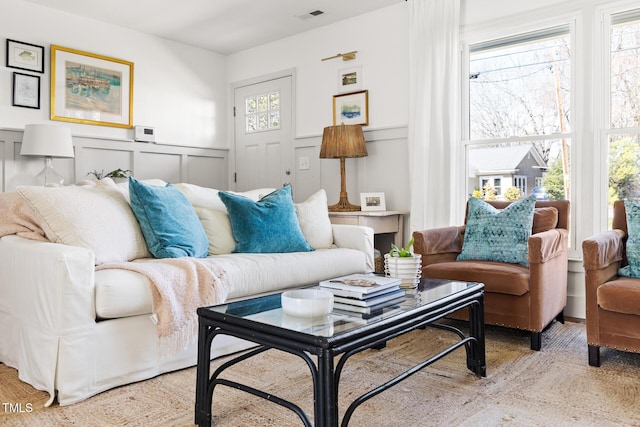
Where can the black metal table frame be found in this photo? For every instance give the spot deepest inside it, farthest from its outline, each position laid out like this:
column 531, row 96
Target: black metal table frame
column 325, row 375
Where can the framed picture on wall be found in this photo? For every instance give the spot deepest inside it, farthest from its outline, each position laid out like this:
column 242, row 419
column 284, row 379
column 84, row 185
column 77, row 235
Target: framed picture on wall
column 26, row 91
column 351, row 108
column 91, row 89
column 25, row 56
column 372, row 202
column 350, row 79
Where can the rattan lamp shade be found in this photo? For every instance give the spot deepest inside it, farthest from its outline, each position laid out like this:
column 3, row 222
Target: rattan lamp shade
column 340, row 142
column 343, row 141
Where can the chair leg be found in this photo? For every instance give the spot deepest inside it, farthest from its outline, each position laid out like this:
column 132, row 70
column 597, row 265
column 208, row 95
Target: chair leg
column 560, row 317
column 594, row 355
column 536, row 341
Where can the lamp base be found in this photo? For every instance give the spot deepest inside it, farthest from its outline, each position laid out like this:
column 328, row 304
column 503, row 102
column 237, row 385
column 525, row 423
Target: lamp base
column 343, row 205
column 49, row 177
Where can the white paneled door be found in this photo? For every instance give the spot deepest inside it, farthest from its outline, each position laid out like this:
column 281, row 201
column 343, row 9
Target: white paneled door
column 263, row 134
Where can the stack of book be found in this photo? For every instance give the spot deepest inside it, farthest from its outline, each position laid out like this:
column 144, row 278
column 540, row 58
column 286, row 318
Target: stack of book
column 364, row 293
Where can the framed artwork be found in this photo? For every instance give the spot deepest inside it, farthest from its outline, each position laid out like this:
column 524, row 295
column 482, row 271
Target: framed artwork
column 25, row 56
column 91, row 89
column 351, row 108
column 372, row 202
column 350, row 79
column 26, row 91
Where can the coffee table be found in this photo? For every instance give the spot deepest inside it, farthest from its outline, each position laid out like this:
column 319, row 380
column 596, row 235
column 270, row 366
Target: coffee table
column 317, row 341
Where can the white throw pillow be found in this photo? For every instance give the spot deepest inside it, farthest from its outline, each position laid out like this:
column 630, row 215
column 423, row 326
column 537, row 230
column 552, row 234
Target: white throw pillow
column 313, row 216
column 217, row 227
column 213, row 214
column 123, row 186
column 93, row 217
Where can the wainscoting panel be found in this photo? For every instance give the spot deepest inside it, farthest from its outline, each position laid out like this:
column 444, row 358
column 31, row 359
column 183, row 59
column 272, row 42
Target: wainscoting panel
column 201, row 166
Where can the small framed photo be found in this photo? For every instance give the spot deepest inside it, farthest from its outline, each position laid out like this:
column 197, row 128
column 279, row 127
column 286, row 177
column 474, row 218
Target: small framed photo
column 350, row 79
column 25, row 56
column 26, row 91
column 372, row 202
column 351, row 108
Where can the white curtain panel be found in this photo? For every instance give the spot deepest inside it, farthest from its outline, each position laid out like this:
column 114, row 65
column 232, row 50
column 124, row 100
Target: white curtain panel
column 434, row 67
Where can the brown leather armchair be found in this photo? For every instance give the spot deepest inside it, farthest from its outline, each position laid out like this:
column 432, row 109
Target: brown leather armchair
column 527, row 298
column 613, row 302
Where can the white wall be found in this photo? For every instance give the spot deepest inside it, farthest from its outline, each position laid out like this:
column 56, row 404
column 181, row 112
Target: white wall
column 380, row 37
column 178, row 89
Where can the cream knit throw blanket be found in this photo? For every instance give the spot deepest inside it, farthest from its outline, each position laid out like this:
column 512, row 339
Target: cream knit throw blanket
column 180, row 286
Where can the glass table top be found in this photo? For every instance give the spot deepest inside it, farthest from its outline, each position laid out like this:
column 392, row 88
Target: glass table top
column 268, row 309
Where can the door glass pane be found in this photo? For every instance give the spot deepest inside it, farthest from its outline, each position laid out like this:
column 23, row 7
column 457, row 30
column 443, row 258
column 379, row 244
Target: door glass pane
column 263, row 123
column 252, row 126
column 251, row 105
column 263, row 104
column 263, row 112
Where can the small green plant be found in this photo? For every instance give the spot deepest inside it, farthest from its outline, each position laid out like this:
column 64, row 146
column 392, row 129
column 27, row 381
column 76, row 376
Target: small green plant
column 402, row 252
column 116, row 173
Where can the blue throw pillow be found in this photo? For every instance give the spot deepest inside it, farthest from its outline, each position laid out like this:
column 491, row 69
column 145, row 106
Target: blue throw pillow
column 169, row 223
column 494, row 235
column 632, row 210
column 269, row 225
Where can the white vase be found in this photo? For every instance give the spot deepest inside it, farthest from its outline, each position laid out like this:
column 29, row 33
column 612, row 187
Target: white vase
column 408, row 269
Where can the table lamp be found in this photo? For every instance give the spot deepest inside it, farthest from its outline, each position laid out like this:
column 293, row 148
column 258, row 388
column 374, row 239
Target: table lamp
column 48, row 141
column 340, row 142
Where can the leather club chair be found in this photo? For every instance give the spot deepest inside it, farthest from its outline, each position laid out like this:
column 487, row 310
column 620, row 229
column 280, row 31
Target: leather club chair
column 613, row 302
column 527, row 298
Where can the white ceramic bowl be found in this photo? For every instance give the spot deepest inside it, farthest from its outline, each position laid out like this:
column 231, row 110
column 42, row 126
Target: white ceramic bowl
column 307, row 302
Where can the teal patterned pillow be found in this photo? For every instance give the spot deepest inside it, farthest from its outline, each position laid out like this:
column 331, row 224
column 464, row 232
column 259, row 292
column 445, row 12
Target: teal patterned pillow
column 632, row 209
column 269, row 225
column 494, row 235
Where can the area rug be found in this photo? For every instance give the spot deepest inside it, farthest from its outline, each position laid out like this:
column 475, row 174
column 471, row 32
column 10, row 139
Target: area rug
column 552, row 387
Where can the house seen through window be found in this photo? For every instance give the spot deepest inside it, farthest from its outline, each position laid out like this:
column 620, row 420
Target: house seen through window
column 519, row 116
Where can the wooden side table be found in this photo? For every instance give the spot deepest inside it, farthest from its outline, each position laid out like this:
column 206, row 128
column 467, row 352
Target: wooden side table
column 384, row 223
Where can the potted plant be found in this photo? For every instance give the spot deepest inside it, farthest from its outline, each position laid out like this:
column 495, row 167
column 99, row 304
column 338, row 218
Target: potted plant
column 402, row 263
column 117, row 175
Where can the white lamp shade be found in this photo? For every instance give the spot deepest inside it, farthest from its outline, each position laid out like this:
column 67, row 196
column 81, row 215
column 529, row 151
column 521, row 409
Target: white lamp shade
column 47, row 140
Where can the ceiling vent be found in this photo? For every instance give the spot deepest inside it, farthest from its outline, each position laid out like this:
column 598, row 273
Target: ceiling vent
column 311, row 14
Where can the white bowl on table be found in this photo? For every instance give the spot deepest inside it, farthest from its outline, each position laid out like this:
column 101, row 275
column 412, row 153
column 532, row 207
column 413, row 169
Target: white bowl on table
column 307, row 302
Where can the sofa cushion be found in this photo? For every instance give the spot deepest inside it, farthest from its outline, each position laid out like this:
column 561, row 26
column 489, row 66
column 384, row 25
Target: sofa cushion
column 169, row 223
column 313, row 215
column 498, row 235
column 213, row 214
column 632, row 209
column 544, row 219
column 621, row 296
column 123, row 293
column 269, row 225
column 96, row 217
column 498, row 277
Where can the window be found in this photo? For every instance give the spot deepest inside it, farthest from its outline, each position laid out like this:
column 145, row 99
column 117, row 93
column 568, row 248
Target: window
column 520, row 182
column 623, row 133
column 262, row 112
column 519, row 117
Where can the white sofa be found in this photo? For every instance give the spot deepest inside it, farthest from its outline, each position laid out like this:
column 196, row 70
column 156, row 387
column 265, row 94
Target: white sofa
column 75, row 331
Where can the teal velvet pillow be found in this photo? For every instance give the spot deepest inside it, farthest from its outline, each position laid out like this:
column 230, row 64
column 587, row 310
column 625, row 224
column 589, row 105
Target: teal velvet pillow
column 494, row 235
column 269, row 225
column 632, row 210
column 169, row 223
